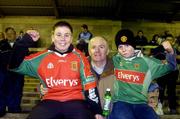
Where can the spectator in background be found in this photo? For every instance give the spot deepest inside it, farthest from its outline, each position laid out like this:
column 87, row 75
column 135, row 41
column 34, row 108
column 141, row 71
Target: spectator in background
column 140, row 39
column 21, row 34
column 4, row 44
column 11, row 84
column 2, row 37
column 83, row 39
column 153, row 98
column 133, row 75
column 154, row 40
column 14, row 82
column 5, row 49
column 168, row 81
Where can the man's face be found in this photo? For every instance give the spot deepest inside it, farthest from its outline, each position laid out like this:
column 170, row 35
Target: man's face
column 11, row 35
column 126, row 51
column 62, row 38
column 140, row 34
column 98, row 49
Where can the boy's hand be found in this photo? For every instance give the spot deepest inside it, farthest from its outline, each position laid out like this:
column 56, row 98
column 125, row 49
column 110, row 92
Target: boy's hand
column 43, row 90
column 167, row 46
column 34, row 34
column 98, row 116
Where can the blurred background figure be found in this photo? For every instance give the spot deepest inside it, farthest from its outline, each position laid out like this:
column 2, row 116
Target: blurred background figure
column 140, row 39
column 153, row 98
column 83, row 39
column 21, row 34
column 4, row 56
column 168, row 81
column 154, row 40
column 14, row 82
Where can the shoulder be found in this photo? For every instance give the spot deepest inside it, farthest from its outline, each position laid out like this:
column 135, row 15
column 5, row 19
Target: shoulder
column 35, row 55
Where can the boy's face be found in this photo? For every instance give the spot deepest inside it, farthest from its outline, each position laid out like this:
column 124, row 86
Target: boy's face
column 62, row 38
column 153, row 98
column 126, row 50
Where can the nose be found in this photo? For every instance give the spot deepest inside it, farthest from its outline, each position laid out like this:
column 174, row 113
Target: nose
column 96, row 49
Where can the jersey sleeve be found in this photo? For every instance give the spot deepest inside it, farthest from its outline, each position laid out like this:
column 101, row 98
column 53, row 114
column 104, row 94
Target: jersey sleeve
column 20, row 62
column 159, row 68
column 89, row 87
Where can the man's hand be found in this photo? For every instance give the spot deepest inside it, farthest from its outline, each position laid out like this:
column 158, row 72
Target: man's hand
column 167, row 46
column 34, row 34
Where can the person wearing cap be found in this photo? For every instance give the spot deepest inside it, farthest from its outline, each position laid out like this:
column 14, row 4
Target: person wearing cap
column 153, row 98
column 133, row 75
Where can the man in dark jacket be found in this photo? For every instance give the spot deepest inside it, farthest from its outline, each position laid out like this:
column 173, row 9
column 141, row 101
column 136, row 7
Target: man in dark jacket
column 11, row 83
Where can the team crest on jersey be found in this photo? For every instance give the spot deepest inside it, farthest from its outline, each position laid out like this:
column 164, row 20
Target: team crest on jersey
column 136, row 66
column 74, row 66
column 50, row 66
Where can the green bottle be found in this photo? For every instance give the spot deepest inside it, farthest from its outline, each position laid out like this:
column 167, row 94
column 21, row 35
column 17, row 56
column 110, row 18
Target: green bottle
column 107, row 102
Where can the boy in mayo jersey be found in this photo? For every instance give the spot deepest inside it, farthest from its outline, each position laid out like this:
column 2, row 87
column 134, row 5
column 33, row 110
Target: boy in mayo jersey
column 134, row 73
column 62, row 69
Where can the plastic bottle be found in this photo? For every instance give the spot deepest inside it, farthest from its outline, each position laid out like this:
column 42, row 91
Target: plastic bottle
column 107, row 102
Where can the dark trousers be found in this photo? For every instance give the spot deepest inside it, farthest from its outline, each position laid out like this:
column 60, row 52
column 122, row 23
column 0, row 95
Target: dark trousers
column 3, row 77
column 168, row 81
column 13, row 91
column 83, row 47
column 51, row 109
column 123, row 110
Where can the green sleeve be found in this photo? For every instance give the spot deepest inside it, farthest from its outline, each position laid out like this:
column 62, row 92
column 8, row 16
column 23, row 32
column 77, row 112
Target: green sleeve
column 157, row 68
column 30, row 65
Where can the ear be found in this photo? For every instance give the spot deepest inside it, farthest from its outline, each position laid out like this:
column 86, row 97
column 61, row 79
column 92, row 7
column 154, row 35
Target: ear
column 107, row 51
column 52, row 38
column 71, row 39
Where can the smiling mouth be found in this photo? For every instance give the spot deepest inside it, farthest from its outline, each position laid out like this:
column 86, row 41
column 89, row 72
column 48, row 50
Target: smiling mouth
column 62, row 44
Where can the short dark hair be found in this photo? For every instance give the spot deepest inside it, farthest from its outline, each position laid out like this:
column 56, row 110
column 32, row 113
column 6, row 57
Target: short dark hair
column 140, row 31
column 10, row 28
column 169, row 35
column 84, row 26
column 63, row 23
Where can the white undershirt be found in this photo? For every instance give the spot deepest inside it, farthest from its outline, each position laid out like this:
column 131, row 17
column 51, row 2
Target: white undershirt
column 98, row 70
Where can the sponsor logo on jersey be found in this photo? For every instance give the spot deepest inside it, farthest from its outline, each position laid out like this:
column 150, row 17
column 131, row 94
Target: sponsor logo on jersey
column 51, row 82
column 50, row 66
column 130, row 76
column 74, row 66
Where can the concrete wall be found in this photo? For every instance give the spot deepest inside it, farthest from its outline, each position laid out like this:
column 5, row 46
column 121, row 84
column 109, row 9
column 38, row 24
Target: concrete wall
column 106, row 28
column 150, row 28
